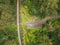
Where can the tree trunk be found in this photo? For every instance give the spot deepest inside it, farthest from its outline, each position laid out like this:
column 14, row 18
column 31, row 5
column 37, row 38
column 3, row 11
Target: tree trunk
column 18, row 14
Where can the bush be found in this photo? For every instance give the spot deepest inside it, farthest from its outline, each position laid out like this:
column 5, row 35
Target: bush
column 9, row 36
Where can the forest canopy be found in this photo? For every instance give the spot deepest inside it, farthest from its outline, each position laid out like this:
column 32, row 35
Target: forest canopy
column 30, row 11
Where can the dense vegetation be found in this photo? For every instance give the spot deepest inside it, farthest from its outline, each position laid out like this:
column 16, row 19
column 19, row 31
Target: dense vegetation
column 31, row 11
column 8, row 31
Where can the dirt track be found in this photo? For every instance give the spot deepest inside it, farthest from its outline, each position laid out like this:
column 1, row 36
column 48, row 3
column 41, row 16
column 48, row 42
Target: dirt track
column 39, row 23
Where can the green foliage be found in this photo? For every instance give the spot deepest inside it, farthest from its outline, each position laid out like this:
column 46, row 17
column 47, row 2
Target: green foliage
column 7, row 12
column 41, row 8
column 30, row 10
column 49, row 33
column 9, row 36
